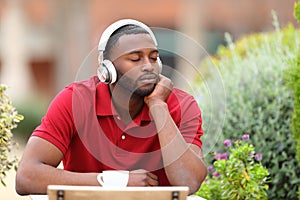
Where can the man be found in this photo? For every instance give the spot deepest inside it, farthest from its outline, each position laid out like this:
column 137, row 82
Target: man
column 133, row 119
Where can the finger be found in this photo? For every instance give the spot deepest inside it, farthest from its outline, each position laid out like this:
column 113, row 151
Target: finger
column 153, row 176
column 152, row 182
column 165, row 82
column 139, row 171
column 161, row 76
column 152, row 179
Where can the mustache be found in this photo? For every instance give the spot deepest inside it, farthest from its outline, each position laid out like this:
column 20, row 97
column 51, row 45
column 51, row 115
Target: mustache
column 148, row 75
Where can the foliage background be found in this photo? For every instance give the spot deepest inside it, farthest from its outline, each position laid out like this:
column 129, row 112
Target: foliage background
column 236, row 174
column 9, row 118
column 258, row 102
column 293, row 80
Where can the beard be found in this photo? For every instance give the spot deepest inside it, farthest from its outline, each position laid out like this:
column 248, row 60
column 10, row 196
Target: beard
column 144, row 92
column 131, row 85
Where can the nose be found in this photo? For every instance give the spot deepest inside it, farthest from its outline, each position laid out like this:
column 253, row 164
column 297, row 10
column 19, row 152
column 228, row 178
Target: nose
column 147, row 65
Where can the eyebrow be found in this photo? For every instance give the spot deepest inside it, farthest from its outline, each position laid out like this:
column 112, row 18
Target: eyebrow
column 138, row 52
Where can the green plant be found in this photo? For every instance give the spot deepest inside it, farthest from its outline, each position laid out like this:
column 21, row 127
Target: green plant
column 292, row 77
column 237, row 174
column 258, row 103
column 297, row 11
column 34, row 111
column 9, row 118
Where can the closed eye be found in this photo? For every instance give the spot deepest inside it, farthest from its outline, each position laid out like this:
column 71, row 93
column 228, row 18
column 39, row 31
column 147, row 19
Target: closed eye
column 154, row 58
column 135, row 59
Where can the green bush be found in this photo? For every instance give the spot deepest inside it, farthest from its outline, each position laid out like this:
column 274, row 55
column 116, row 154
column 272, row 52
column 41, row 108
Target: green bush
column 34, row 111
column 297, row 11
column 241, row 176
column 293, row 79
column 9, row 118
column 258, row 103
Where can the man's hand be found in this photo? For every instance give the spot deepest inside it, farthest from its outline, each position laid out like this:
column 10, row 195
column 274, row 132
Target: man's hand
column 142, row 178
column 161, row 91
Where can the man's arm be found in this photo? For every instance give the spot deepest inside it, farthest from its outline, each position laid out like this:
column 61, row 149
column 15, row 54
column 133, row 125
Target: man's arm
column 183, row 162
column 37, row 169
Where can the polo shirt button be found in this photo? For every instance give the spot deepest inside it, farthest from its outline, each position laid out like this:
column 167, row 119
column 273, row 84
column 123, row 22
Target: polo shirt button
column 118, row 117
column 123, row 137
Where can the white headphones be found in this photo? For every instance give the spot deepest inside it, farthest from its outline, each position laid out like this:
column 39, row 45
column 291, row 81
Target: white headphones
column 106, row 71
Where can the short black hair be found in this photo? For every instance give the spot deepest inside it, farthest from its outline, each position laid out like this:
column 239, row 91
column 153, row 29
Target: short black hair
column 124, row 30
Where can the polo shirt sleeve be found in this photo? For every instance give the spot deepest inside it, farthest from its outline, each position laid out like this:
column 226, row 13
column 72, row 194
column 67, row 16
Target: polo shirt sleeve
column 187, row 115
column 191, row 121
column 57, row 125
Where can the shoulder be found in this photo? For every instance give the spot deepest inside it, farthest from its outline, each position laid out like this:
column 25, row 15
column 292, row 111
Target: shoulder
column 179, row 96
column 181, row 103
column 73, row 91
column 79, row 88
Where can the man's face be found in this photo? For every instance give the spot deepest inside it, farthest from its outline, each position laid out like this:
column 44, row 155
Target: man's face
column 135, row 58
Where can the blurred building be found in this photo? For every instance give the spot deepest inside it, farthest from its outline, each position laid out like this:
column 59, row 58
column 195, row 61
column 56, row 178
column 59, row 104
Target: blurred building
column 43, row 43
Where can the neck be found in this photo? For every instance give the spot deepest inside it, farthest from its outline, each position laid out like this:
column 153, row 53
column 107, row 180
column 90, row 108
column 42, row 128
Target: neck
column 127, row 104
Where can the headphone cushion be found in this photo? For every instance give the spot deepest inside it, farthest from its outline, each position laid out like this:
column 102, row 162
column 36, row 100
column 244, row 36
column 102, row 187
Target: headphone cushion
column 160, row 65
column 107, row 72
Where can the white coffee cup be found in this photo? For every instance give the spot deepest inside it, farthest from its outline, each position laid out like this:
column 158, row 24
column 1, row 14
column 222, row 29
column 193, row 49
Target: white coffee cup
column 113, row 178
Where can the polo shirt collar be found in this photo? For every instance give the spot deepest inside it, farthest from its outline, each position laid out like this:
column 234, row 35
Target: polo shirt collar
column 104, row 106
column 103, row 101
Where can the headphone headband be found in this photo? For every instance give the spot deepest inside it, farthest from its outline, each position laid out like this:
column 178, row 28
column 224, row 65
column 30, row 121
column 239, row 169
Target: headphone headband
column 118, row 24
column 106, row 71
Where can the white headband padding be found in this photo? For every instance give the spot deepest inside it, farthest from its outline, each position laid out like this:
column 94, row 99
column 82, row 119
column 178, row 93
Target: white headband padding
column 118, row 24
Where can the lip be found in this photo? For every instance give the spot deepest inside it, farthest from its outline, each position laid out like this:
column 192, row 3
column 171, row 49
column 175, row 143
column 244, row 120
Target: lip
column 148, row 81
column 148, row 77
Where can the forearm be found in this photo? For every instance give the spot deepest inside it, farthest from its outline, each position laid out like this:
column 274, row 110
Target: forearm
column 182, row 164
column 36, row 180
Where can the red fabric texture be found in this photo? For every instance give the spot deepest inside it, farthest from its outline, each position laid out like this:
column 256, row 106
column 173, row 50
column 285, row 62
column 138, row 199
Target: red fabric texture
column 82, row 122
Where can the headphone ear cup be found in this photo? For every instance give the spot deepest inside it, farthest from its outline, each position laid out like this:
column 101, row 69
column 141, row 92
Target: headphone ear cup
column 106, row 72
column 102, row 73
column 160, row 65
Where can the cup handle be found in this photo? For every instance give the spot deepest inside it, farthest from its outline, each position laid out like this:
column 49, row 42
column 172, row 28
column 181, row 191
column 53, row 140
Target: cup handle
column 100, row 179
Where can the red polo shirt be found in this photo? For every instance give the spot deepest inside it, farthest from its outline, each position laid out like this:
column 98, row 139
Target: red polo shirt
column 83, row 124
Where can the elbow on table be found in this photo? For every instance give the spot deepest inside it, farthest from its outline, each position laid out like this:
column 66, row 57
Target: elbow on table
column 192, row 182
column 194, row 187
column 195, row 184
column 22, row 182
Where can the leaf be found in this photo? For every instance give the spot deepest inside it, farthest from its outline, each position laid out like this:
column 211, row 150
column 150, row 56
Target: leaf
column 297, row 11
column 8, row 121
column 3, row 183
